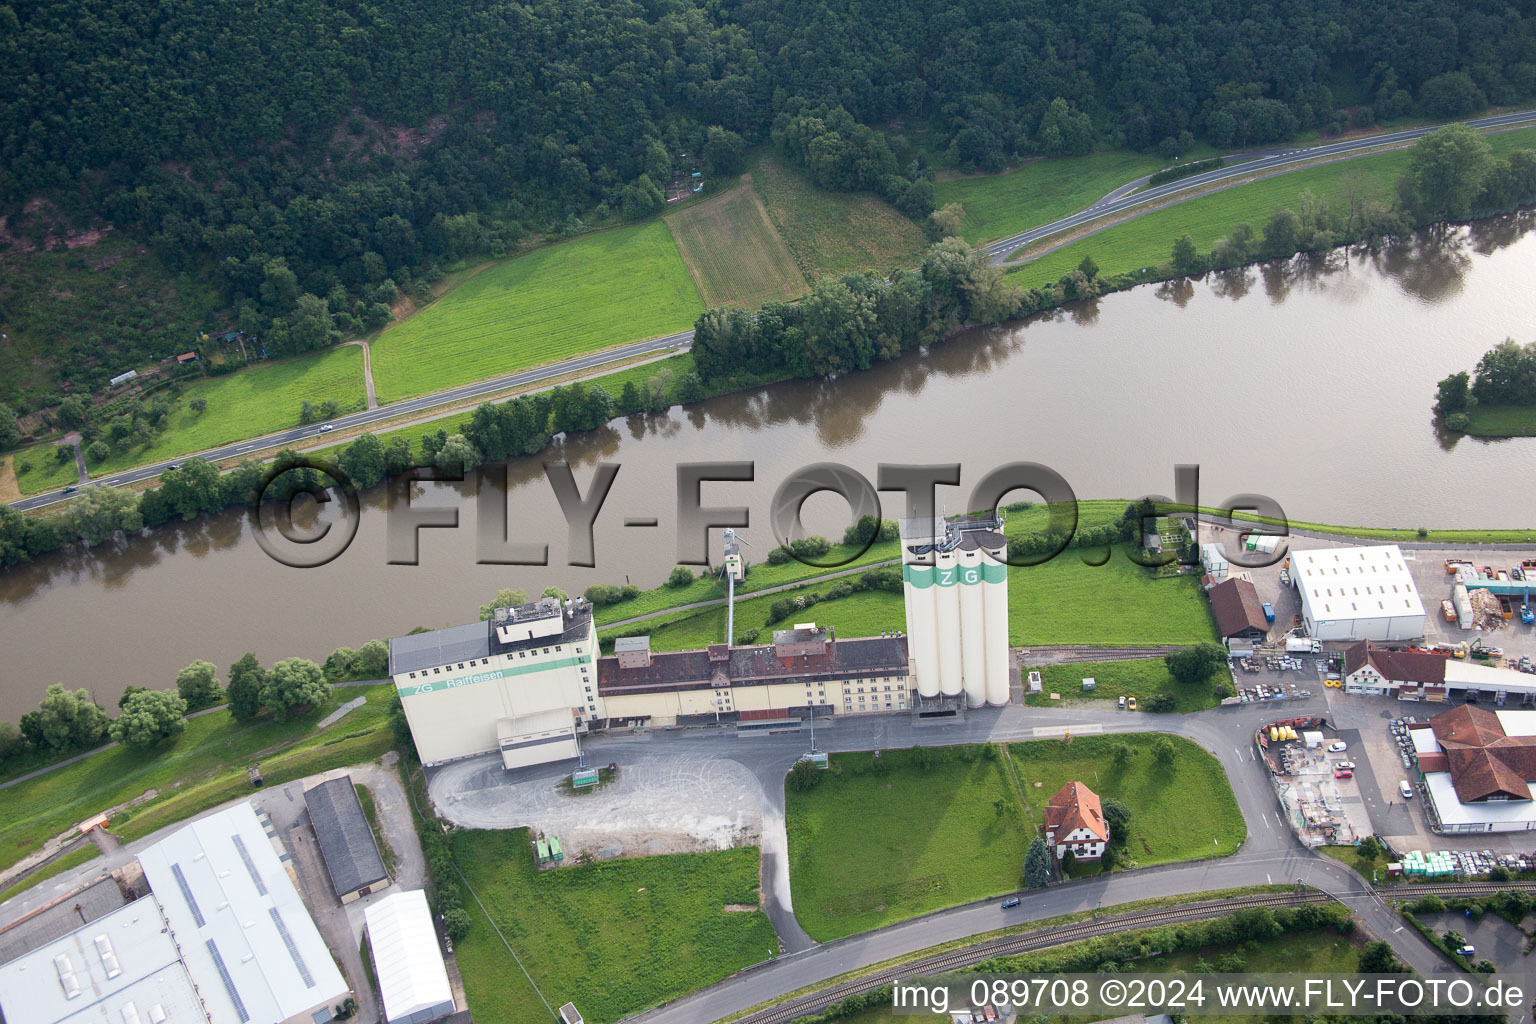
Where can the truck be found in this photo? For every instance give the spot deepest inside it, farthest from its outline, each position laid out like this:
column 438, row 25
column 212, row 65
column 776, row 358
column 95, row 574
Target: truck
column 1302, row 645
column 1269, row 612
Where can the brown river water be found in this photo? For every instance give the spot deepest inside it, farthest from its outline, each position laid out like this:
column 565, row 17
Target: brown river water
column 1310, row 382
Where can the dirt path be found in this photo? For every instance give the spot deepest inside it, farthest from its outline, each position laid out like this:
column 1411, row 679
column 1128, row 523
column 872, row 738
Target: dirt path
column 373, row 400
column 73, row 440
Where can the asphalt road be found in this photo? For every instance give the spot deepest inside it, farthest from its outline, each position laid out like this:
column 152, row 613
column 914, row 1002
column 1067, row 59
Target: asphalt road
column 1122, row 199
column 1238, row 165
column 425, row 403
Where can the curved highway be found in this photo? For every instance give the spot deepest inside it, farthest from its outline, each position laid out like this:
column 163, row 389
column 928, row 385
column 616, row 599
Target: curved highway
column 1239, row 165
column 1122, row 199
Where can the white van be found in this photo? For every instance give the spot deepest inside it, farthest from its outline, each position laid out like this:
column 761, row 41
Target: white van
column 1405, row 789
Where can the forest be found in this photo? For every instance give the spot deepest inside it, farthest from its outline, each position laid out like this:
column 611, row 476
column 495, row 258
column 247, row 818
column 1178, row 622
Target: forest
column 317, row 159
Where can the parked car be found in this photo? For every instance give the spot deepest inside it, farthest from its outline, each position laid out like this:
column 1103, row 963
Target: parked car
column 1131, row 703
column 1122, row 700
column 1337, row 747
column 1350, row 765
column 1010, row 902
column 1467, row 950
column 1343, row 773
column 1405, row 789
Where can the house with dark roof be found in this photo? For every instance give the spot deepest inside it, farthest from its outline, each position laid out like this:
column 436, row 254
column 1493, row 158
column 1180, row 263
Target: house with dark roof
column 346, row 839
column 1238, row 612
column 1074, row 823
column 1408, row 674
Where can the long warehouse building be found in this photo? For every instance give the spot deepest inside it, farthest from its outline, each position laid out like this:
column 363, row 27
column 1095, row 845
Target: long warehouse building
column 1358, row 593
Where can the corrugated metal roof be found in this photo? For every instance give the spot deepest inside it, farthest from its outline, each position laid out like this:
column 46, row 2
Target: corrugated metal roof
column 346, row 841
column 406, row 956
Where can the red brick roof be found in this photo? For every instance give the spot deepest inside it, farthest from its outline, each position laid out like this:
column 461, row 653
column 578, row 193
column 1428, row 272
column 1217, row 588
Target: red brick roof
column 1482, row 760
column 1073, row 807
column 1237, row 608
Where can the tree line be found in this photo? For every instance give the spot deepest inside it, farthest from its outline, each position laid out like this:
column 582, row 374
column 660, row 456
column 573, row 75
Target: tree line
column 69, row 722
column 320, row 160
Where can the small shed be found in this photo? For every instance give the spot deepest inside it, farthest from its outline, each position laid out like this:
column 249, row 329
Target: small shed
column 542, row 849
column 1035, row 682
column 346, row 839
column 555, row 853
column 413, row 980
column 1312, row 738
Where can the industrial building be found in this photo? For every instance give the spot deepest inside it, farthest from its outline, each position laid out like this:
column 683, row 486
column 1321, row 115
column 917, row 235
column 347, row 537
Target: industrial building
column 222, row 937
column 955, row 584
column 346, row 840
column 1357, row 593
column 1422, row 675
column 1477, row 768
column 121, row 968
column 804, row 668
column 1237, row 610
column 1074, row 823
column 496, row 685
column 413, row 980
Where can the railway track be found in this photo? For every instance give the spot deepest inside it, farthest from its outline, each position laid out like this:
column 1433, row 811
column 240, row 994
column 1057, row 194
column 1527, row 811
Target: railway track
column 1063, row 934
column 1043, row 939
column 1069, row 653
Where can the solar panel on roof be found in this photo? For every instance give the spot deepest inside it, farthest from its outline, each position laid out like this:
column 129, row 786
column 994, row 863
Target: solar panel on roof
column 293, row 950
column 229, row 983
column 250, row 865
column 186, row 894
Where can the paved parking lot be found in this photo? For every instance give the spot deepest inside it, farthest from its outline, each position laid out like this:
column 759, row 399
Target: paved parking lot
column 1495, row 939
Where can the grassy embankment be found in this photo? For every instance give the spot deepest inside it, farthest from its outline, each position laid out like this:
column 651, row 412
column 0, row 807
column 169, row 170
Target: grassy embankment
column 614, row 937
column 589, row 293
column 999, row 205
column 58, row 866
column 1147, row 241
column 386, row 852
column 199, row 769
column 1323, row 951
column 43, row 471
column 733, row 251
column 1062, row 601
column 1450, row 538
column 895, row 865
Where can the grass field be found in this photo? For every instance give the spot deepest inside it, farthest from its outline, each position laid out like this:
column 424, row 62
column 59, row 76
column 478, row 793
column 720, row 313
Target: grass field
column 47, row 473
column 1175, row 811
column 1503, row 421
column 1148, row 240
column 998, row 205
column 252, row 402
column 833, row 233
column 1142, row 678
column 733, row 251
column 614, row 937
column 201, row 768
column 589, row 293
column 1449, row 537
column 859, row 858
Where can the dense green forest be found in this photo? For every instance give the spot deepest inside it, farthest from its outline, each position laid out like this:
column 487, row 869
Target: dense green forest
column 315, row 159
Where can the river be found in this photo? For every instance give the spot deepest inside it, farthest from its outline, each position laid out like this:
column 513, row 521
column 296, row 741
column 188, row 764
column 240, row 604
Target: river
column 1309, row 381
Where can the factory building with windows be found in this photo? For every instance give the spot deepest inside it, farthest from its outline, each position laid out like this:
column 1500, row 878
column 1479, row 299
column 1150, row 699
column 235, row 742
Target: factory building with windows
column 804, row 668
column 530, row 681
column 523, row 683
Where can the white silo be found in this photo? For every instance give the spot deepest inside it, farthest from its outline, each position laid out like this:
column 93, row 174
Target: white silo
column 922, row 631
column 957, row 607
column 994, row 593
column 951, row 661
column 973, row 635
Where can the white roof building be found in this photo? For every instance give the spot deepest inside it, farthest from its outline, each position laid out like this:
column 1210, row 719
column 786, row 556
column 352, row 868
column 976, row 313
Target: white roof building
column 244, row 933
column 407, row 961
column 1358, row 593
column 119, row 969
